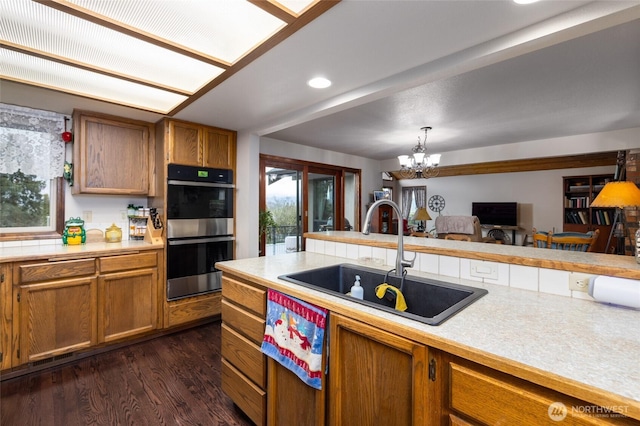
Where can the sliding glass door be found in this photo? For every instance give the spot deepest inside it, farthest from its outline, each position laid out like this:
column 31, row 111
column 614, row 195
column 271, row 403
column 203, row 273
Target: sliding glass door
column 305, row 197
column 283, row 198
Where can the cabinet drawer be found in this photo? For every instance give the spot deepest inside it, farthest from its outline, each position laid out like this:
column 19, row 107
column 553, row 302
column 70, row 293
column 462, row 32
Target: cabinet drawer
column 493, row 398
column 192, row 308
column 244, row 355
column 55, row 270
column 249, row 296
column 128, row 261
column 246, row 395
column 246, row 323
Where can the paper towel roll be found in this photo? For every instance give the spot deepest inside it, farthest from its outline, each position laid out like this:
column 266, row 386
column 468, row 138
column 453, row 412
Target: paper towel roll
column 619, row 291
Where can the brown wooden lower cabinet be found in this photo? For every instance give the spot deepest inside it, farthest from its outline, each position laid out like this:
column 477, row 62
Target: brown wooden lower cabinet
column 128, row 304
column 478, row 395
column 379, row 378
column 291, row 401
column 244, row 367
column 62, row 306
column 56, row 317
column 375, row 377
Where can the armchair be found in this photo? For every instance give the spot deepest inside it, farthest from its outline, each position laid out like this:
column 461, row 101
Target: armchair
column 465, row 228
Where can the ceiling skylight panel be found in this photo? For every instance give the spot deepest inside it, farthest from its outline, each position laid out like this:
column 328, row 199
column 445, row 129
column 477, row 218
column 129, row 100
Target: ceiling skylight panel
column 29, row 69
column 41, row 28
column 222, row 29
column 295, row 6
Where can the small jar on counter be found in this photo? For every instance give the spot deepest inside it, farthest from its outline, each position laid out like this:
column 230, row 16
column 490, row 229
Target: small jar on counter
column 113, row 234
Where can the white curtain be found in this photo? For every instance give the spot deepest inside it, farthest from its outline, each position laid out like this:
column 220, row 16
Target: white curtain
column 30, row 140
column 413, row 193
column 407, row 197
column 420, row 195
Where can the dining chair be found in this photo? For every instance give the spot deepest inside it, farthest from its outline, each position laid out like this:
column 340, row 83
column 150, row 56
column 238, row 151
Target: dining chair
column 570, row 241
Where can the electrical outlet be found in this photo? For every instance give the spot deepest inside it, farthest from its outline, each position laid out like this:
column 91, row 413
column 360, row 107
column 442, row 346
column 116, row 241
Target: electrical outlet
column 123, row 215
column 87, row 216
column 481, row 269
column 579, row 281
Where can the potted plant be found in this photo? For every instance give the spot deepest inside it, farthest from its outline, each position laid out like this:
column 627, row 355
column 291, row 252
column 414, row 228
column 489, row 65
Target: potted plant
column 265, row 220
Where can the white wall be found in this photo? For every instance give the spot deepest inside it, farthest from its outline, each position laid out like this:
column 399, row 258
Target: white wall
column 247, row 195
column 539, row 194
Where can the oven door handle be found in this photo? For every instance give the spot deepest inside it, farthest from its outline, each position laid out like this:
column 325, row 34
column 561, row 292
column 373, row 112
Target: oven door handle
column 207, row 184
column 182, row 242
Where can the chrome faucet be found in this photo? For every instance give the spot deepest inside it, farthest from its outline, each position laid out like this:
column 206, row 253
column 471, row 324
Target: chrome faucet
column 401, row 262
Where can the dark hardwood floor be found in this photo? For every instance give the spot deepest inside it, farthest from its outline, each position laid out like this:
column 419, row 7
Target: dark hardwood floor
column 169, row 380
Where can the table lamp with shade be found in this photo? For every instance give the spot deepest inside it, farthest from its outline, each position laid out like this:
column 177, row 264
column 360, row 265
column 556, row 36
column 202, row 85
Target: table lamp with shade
column 421, row 216
column 618, row 195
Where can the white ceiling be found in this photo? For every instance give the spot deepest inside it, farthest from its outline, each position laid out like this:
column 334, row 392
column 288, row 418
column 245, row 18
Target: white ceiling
column 479, row 72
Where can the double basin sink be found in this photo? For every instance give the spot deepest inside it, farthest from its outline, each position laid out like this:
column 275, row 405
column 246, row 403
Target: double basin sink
column 429, row 301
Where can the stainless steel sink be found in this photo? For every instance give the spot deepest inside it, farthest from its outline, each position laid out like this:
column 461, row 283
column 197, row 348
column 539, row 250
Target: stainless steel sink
column 429, row 301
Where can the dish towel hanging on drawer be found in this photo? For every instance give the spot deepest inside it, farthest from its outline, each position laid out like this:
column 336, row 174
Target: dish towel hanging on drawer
column 294, row 336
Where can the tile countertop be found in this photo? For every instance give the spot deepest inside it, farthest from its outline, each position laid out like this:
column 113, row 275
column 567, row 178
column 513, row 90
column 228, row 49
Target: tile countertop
column 582, row 348
column 60, row 251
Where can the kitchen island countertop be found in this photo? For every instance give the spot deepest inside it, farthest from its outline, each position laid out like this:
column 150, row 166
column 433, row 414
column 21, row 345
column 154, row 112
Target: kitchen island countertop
column 582, row 348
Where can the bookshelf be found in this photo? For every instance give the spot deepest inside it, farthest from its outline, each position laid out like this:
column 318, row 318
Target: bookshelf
column 579, row 192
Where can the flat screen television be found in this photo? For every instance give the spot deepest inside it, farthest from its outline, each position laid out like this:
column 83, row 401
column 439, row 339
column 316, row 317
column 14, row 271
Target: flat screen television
column 499, row 214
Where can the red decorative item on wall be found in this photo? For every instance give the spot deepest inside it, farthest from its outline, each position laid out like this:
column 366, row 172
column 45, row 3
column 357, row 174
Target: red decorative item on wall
column 66, row 136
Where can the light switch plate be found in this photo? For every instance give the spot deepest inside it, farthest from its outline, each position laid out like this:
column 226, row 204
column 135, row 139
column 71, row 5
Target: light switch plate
column 480, row 269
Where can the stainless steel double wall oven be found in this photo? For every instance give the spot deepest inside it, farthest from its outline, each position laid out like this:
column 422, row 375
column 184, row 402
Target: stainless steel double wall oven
column 199, row 228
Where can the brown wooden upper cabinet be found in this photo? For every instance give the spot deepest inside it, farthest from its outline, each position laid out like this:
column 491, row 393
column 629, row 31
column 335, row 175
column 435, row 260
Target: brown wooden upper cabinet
column 197, row 145
column 112, row 155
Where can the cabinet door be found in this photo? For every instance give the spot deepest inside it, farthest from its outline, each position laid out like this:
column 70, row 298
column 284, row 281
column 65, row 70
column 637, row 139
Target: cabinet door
column 56, row 317
column 112, row 156
column 291, row 401
column 185, row 142
column 6, row 311
column 128, row 304
column 375, row 377
column 219, row 149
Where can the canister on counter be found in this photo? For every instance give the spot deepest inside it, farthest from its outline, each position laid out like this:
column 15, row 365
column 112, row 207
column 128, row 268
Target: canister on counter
column 113, row 234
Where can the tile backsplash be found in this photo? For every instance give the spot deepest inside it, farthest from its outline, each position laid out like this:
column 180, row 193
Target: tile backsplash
column 517, row 276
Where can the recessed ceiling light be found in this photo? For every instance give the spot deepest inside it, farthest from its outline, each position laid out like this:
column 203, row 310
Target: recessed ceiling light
column 525, row 1
column 319, row 83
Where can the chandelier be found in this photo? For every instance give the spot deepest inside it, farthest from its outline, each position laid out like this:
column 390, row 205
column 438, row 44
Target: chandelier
column 419, row 165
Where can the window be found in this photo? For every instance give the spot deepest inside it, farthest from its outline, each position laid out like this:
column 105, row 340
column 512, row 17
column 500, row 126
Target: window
column 31, row 165
column 413, row 197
